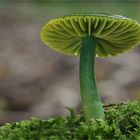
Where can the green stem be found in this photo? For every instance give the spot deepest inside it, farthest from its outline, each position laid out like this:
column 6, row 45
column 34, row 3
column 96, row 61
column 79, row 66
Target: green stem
column 92, row 104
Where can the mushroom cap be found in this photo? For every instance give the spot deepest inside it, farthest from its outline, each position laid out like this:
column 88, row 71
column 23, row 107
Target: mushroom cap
column 114, row 33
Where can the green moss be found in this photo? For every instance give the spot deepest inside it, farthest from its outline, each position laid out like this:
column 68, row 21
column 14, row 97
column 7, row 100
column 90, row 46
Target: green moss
column 122, row 122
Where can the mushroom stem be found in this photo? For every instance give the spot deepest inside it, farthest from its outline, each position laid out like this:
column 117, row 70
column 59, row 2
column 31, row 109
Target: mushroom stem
column 92, row 104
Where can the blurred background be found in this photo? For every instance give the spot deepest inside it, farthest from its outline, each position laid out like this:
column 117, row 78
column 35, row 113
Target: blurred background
column 38, row 82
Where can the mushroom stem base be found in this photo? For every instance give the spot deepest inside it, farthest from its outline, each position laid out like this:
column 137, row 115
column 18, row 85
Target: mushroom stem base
column 92, row 104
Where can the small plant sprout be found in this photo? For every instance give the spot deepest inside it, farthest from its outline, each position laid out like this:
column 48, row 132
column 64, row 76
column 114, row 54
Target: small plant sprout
column 88, row 36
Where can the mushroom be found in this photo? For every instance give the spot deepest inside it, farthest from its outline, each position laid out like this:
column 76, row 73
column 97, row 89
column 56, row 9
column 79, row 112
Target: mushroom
column 90, row 36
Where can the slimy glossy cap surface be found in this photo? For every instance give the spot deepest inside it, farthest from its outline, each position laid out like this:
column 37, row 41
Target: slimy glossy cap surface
column 114, row 34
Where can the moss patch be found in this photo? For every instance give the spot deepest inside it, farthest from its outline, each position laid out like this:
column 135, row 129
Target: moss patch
column 122, row 122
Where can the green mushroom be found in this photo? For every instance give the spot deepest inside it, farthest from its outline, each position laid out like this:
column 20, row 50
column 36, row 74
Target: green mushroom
column 90, row 36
